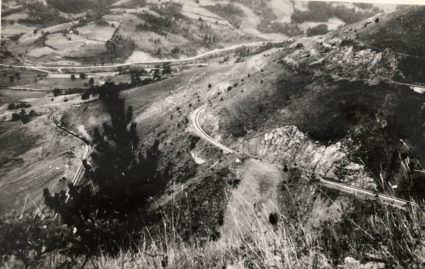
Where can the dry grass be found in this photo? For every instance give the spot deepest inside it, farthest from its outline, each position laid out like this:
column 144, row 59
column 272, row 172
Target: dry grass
column 392, row 233
column 284, row 246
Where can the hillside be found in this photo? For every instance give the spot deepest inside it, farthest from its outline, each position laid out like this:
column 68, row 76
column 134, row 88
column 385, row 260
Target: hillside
column 101, row 32
column 300, row 154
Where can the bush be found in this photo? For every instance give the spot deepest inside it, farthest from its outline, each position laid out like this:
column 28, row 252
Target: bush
column 12, row 106
column 16, row 116
column 175, row 50
column 25, row 118
column 289, row 29
column 57, row 92
column 29, row 238
column 85, row 95
column 320, row 29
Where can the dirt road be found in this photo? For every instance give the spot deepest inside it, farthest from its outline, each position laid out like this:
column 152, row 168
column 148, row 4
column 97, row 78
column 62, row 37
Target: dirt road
column 392, row 201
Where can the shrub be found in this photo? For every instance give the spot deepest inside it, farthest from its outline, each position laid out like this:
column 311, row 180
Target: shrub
column 28, row 238
column 289, row 29
column 175, row 50
column 57, row 92
column 16, row 116
column 320, row 29
column 25, row 118
column 85, row 95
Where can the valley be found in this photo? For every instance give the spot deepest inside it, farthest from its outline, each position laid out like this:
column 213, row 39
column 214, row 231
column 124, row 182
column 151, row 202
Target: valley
column 235, row 136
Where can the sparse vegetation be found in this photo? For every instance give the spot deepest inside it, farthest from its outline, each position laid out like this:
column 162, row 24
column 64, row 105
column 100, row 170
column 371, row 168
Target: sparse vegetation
column 289, row 29
column 230, row 12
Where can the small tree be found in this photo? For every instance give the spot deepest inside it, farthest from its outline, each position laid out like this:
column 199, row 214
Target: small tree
column 83, row 75
column 72, row 77
column 166, row 68
column 25, row 118
column 16, row 116
column 108, row 216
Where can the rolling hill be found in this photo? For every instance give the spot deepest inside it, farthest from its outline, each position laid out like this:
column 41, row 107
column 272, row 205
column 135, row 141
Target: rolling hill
column 249, row 137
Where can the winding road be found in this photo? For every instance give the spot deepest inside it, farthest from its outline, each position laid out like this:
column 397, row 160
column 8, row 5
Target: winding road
column 392, row 201
column 88, row 149
column 43, row 68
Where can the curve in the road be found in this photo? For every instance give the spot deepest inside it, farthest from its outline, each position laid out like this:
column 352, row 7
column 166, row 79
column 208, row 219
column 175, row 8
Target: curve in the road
column 204, row 135
column 392, row 201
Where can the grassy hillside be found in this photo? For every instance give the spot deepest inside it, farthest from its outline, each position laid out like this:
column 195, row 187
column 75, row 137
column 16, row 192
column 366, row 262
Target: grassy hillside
column 316, row 107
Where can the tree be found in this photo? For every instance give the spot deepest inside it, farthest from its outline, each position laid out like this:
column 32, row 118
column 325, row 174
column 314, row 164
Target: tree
column 25, row 118
column 57, row 92
column 16, row 116
column 85, row 96
column 108, row 216
column 83, row 75
column 166, row 68
column 91, row 81
column 72, row 77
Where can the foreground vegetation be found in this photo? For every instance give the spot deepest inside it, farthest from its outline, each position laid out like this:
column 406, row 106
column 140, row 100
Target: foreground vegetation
column 367, row 234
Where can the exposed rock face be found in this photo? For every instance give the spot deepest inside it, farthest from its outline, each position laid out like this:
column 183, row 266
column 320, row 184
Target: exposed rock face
column 288, row 145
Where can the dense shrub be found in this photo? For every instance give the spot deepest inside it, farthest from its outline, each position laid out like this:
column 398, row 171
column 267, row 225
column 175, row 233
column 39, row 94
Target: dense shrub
column 169, row 13
column 28, row 238
column 19, row 105
column 320, row 29
column 23, row 116
column 78, row 5
column 119, row 46
column 289, row 29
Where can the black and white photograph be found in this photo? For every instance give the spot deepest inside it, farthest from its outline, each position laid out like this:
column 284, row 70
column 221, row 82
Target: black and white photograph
column 222, row 134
